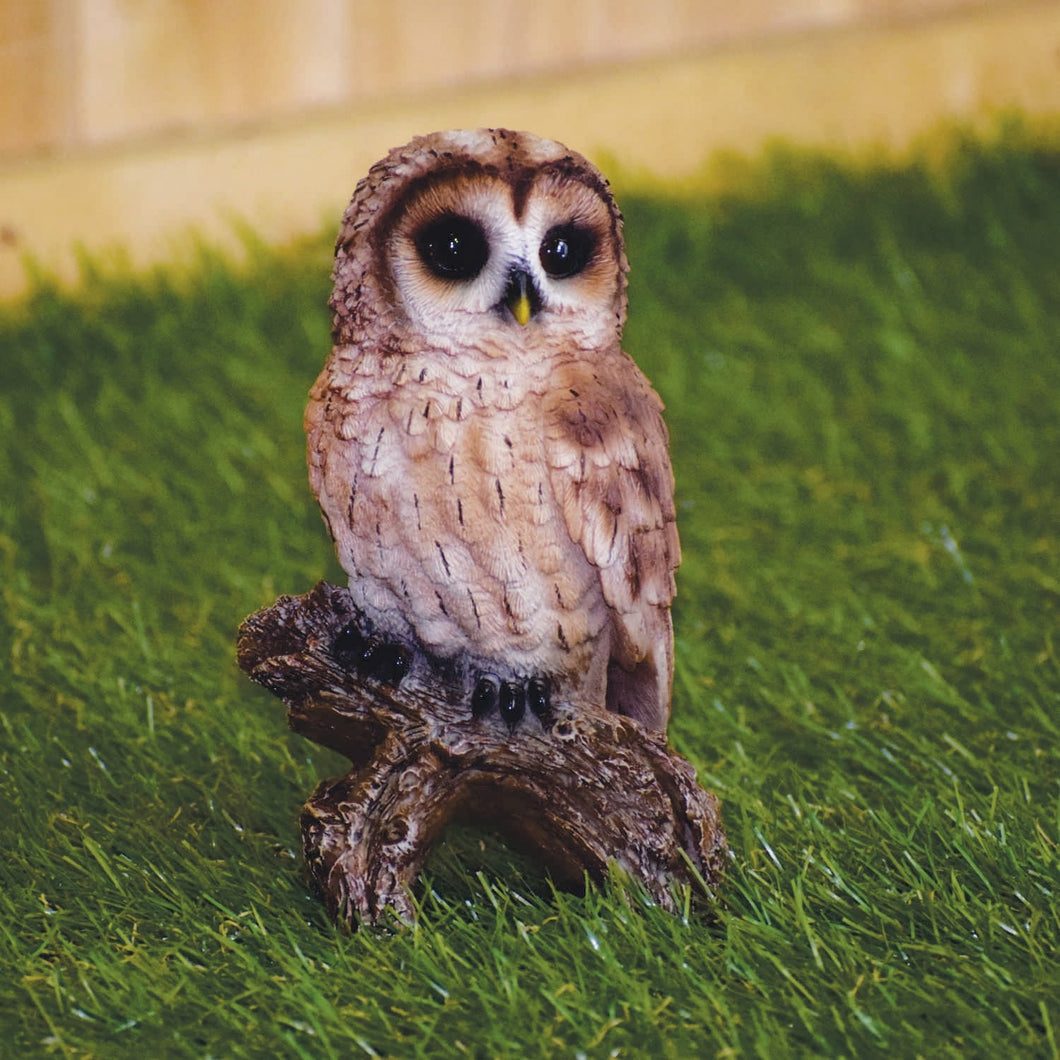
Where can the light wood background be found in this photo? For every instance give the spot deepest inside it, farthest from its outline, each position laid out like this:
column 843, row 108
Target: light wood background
column 127, row 122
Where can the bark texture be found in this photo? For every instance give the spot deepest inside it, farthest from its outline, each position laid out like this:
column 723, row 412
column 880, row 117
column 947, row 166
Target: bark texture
column 580, row 787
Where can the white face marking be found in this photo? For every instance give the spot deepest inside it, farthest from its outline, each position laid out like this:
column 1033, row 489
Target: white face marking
column 464, row 306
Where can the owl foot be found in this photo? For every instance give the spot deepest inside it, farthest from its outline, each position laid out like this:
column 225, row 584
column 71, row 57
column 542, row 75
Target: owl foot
column 511, row 698
column 372, row 656
column 419, row 760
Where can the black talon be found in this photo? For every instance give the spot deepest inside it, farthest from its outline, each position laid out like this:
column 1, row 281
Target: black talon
column 512, row 702
column 385, row 661
column 348, row 645
column 392, row 662
column 539, row 697
column 401, row 665
column 485, row 695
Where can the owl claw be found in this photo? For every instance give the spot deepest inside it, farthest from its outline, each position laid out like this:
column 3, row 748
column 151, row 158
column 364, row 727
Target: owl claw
column 512, row 702
column 348, row 645
column 485, row 696
column 538, row 696
column 381, row 659
column 386, row 661
column 511, row 698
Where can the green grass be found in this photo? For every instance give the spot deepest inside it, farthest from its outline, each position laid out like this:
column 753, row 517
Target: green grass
column 862, row 373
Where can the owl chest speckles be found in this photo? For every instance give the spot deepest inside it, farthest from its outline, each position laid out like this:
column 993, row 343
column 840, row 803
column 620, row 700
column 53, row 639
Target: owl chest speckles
column 456, row 535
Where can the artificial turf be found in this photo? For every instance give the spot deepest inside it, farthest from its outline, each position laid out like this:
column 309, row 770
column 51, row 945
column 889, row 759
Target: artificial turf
column 861, row 365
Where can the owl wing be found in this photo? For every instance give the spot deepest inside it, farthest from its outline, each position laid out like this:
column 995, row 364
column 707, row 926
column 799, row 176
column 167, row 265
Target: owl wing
column 609, row 467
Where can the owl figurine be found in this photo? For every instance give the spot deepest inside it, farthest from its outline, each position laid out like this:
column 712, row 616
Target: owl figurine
column 492, row 467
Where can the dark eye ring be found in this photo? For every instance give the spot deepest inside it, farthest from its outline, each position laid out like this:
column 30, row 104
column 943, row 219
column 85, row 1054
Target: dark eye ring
column 453, row 247
column 565, row 251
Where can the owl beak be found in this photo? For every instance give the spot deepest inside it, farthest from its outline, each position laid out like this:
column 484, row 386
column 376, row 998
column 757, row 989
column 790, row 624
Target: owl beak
column 520, row 296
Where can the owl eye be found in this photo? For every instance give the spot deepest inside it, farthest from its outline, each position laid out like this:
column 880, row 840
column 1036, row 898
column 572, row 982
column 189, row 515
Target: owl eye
column 453, row 247
column 565, row 251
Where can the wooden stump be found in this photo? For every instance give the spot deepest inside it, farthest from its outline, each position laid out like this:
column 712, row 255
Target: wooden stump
column 581, row 787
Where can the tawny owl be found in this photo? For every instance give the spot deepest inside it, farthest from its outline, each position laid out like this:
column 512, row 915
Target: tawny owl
column 492, row 466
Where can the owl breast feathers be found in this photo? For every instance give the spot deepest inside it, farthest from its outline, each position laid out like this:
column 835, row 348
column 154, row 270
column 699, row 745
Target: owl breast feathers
column 492, row 467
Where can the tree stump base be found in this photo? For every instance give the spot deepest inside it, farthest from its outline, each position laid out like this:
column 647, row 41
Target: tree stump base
column 580, row 787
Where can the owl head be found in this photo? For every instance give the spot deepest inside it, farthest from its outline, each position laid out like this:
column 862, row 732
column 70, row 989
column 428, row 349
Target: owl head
column 482, row 237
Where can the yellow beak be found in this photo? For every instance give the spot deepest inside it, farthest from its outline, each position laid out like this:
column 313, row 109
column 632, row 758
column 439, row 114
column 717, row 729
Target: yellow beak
column 517, row 297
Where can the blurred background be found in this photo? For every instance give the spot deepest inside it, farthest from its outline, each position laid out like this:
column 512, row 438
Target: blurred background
column 142, row 124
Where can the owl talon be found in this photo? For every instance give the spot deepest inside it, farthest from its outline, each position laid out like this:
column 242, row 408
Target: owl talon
column 348, row 646
column 393, row 663
column 512, row 702
column 385, row 661
column 485, row 696
column 539, row 697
